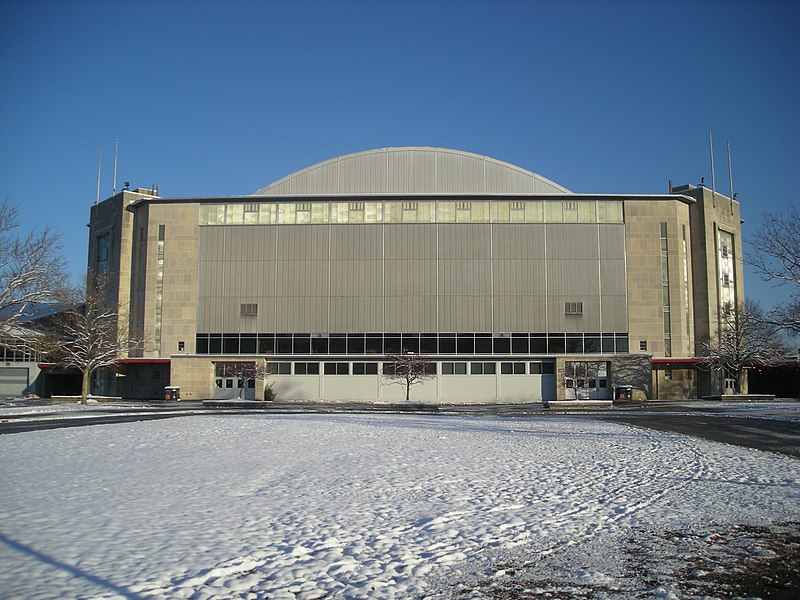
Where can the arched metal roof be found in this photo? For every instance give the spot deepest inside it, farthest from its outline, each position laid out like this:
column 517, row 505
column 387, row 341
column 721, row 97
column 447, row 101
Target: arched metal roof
column 411, row 170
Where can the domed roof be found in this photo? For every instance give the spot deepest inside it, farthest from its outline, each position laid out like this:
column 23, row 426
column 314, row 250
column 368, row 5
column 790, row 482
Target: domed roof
column 411, row 170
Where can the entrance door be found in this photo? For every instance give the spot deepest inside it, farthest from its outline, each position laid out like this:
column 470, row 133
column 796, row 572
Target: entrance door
column 586, row 380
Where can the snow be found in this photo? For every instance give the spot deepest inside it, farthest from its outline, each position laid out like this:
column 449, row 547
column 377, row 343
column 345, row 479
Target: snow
column 358, row 506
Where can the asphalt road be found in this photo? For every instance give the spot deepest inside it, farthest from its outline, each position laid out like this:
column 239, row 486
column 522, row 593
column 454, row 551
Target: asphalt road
column 773, row 427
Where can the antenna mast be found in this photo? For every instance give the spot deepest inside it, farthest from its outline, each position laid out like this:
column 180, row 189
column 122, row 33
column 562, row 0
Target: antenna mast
column 730, row 174
column 99, row 164
column 116, row 148
column 713, row 183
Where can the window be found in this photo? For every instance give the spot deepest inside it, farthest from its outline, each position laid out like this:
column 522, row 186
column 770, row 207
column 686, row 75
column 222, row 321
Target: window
column 306, row 368
column 341, row 368
column 454, row 368
column 643, row 345
column 573, row 308
column 368, row 368
column 249, row 310
column 103, row 251
column 279, row 368
column 726, row 280
column 181, row 346
column 724, row 250
column 483, row 368
column 516, row 368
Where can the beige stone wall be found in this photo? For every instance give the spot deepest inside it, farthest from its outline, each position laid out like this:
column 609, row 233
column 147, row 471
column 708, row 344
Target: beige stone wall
column 643, row 220
column 677, row 383
column 710, row 214
column 179, row 283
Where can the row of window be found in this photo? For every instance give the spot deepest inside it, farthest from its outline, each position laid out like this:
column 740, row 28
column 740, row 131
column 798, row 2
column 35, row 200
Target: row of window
column 388, row 368
column 423, row 211
column 418, row 343
column 16, row 351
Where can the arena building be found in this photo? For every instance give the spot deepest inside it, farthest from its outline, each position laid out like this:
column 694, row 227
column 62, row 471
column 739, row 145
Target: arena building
column 515, row 288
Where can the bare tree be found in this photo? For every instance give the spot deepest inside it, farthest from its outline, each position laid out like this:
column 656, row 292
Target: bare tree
column 31, row 270
column 91, row 334
column 246, row 371
column 775, row 255
column 744, row 340
column 409, row 369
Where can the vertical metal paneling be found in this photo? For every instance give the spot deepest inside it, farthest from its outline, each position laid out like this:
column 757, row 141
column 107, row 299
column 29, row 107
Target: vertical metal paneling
column 363, row 174
column 412, row 171
column 459, row 173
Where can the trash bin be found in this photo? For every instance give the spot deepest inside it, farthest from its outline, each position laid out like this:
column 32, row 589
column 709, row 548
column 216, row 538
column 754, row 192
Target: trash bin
column 172, row 392
column 623, row 392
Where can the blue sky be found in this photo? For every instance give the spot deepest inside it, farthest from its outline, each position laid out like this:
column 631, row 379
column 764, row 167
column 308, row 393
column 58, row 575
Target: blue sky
column 221, row 98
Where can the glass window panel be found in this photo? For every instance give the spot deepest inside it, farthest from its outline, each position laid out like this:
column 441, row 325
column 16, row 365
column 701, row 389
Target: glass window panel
column 371, row 368
column 428, row 343
column 319, row 345
column 215, row 345
column 247, row 344
column 300, row 368
column 548, row 368
column 587, row 212
column 519, row 344
column 268, row 214
column 460, row 368
column 465, row 344
column 411, row 342
column 373, row 212
column 230, row 344
column 591, row 344
column 622, row 343
column 355, row 343
column 483, row 343
column 447, row 344
column 234, row 214
column 574, row 344
column 286, row 213
column 608, row 343
column 538, row 344
column 489, row 368
column 500, row 212
column 476, row 368
column 302, row 343
column 201, row 344
column 251, row 217
column 519, row 368
column 374, row 343
column 392, row 343
column 266, row 344
column 506, row 368
column 330, row 368
column 319, row 212
column 553, row 212
column 480, row 212
column 393, row 212
column 447, row 368
column 446, row 212
column 502, row 345
column 535, row 368
column 283, row 343
column 338, row 344
column 426, row 212
column 205, row 214
column 555, row 344
column 534, row 212
column 358, row 368
column 340, row 212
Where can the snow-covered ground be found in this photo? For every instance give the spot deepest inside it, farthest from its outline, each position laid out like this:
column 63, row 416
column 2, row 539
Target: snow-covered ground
column 359, row 506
